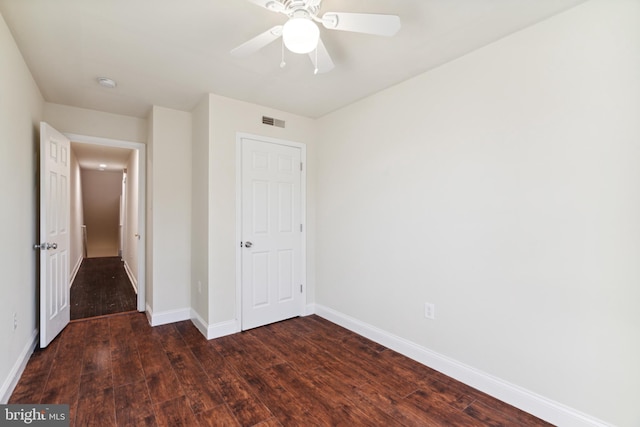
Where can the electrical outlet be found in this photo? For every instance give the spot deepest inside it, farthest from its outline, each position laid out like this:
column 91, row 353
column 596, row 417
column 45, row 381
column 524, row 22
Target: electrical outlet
column 429, row 310
column 15, row 321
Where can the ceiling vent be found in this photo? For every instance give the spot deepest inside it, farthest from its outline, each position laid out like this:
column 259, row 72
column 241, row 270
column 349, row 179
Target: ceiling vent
column 272, row 122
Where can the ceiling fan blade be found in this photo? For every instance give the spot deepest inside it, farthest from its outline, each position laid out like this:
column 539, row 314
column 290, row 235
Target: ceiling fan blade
column 258, row 42
column 324, row 61
column 368, row 23
column 272, row 5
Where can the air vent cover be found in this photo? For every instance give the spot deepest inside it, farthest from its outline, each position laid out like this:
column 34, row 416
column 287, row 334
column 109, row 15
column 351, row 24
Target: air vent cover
column 272, row 122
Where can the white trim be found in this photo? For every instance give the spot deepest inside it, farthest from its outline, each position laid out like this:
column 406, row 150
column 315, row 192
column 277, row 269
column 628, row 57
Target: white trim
column 238, row 229
column 216, row 330
column 75, row 270
column 303, row 216
column 132, row 278
column 169, row 316
column 540, row 406
column 18, row 368
column 309, row 309
column 149, row 313
column 142, row 199
column 222, row 329
column 199, row 323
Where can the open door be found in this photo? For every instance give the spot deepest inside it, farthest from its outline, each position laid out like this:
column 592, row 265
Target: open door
column 54, row 233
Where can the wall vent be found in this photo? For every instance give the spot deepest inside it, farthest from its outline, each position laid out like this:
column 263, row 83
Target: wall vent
column 272, row 122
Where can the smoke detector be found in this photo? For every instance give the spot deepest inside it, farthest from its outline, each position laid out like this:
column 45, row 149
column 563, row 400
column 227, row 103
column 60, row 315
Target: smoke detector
column 107, row 82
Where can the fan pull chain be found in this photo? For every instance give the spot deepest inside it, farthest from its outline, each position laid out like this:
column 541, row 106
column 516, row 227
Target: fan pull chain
column 282, row 63
column 315, row 71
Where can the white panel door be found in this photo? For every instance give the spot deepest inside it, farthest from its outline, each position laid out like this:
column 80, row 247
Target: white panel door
column 271, row 233
column 54, row 233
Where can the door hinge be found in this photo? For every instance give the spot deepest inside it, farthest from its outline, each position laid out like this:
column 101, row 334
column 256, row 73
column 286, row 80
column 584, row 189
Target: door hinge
column 301, row 228
column 300, row 166
column 300, row 288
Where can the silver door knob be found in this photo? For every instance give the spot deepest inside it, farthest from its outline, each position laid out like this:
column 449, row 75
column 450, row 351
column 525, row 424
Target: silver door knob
column 46, row 246
column 248, row 244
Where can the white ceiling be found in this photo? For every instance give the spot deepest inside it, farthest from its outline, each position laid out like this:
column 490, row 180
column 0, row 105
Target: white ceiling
column 172, row 52
column 91, row 156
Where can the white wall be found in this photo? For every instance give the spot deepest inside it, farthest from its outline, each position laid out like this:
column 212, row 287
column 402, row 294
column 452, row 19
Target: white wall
column 200, row 210
column 76, row 216
column 20, row 113
column 226, row 118
column 505, row 188
column 81, row 121
column 169, row 200
column 101, row 191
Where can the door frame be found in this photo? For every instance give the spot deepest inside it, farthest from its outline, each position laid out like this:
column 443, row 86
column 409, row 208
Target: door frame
column 303, row 216
column 142, row 198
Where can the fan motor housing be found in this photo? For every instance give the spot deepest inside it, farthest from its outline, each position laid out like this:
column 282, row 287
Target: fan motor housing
column 292, row 6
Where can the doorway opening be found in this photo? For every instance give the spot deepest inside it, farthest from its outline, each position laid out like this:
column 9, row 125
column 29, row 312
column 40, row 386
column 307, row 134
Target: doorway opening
column 106, row 224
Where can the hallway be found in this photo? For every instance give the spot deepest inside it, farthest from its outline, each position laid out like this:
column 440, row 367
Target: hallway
column 101, row 287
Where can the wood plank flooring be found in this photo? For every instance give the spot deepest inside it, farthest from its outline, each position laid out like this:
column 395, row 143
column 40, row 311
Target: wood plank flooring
column 119, row 371
column 101, row 287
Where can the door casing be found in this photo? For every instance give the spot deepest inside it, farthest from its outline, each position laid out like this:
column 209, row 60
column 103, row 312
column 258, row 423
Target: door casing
column 303, row 214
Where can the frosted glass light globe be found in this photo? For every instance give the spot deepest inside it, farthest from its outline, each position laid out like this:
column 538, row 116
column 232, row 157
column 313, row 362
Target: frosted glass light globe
column 300, row 35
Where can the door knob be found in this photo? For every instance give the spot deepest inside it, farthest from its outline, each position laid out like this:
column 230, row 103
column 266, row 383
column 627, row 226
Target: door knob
column 45, row 246
column 248, row 244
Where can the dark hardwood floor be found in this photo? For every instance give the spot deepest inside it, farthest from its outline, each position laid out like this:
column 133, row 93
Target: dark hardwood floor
column 118, row 370
column 101, row 287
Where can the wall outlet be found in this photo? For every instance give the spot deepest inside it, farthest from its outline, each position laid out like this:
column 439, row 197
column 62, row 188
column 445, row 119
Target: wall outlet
column 15, row 321
column 429, row 310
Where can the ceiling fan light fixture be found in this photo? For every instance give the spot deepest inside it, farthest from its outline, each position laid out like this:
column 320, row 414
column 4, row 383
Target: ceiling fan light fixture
column 300, row 35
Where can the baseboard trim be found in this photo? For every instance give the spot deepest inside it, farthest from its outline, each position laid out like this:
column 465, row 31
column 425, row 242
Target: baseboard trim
column 309, row 309
column 169, row 316
column 132, row 279
column 199, row 323
column 216, row 330
column 18, row 368
column 75, row 270
column 540, row 406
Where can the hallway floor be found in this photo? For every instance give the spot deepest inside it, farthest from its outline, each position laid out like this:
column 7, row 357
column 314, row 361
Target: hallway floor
column 101, row 287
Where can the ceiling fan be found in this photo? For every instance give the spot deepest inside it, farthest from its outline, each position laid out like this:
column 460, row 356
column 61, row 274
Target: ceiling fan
column 300, row 34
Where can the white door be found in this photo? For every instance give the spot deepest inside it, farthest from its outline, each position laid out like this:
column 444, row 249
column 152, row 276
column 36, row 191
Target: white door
column 271, row 253
column 54, row 233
